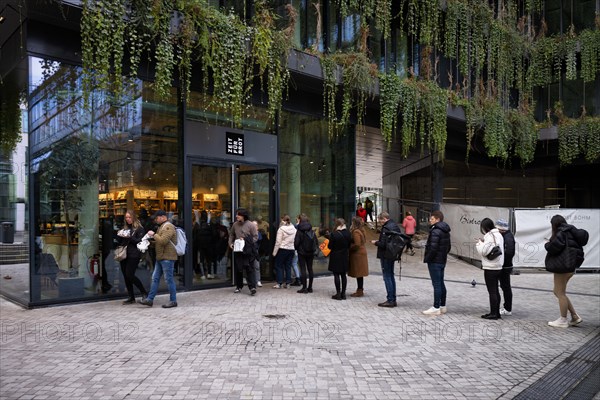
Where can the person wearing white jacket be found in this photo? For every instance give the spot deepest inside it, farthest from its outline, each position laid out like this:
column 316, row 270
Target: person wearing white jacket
column 492, row 269
column 284, row 251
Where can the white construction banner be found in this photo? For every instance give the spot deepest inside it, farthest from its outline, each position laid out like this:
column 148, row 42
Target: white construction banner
column 464, row 221
column 532, row 228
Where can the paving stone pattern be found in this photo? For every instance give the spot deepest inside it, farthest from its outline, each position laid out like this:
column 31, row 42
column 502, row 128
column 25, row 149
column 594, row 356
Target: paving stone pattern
column 284, row 345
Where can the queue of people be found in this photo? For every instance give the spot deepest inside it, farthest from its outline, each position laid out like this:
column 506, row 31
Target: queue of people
column 347, row 255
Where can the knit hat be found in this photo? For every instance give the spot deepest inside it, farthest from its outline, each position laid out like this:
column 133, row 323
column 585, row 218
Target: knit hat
column 502, row 224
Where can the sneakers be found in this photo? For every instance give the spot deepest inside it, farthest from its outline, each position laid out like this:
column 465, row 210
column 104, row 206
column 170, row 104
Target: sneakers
column 412, row 252
column 302, row 291
column 575, row 321
column 443, row 309
column 259, row 284
column 129, row 301
column 252, row 292
column 559, row 323
column 278, row 286
column 432, row 311
column 145, row 302
column 237, row 290
column 209, row 276
column 388, row 304
column 170, row 304
column 505, row 312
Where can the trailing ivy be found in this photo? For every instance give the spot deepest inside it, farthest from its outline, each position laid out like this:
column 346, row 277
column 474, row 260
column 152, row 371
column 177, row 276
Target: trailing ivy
column 590, row 54
column 10, row 117
column 329, row 68
column 525, row 134
column 390, row 87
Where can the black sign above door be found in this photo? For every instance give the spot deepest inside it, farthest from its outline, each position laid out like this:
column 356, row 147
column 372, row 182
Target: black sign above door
column 235, row 143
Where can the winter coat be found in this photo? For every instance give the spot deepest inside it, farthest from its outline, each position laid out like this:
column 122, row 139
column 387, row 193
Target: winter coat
column 361, row 212
column 339, row 243
column 491, row 239
column 359, row 263
column 285, row 238
column 165, row 240
column 132, row 241
column 438, row 244
column 565, row 250
column 409, row 224
column 509, row 248
column 389, row 226
column 302, row 230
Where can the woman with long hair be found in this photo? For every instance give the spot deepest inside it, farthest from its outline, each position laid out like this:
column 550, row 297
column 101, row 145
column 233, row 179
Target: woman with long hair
column 565, row 254
column 359, row 263
column 339, row 244
column 492, row 269
column 130, row 235
column 306, row 244
column 284, row 251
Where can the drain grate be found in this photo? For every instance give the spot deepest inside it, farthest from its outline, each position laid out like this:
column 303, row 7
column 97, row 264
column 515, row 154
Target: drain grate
column 274, row 316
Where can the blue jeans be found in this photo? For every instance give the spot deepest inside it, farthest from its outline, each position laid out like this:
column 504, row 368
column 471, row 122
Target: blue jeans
column 387, row 270
column 436, row 272
column 166, row 267
column 283, row 263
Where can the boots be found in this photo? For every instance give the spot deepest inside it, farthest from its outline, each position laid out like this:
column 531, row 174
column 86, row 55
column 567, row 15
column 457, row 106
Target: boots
column 343, row 295
column 336, row 296
column 358, row 293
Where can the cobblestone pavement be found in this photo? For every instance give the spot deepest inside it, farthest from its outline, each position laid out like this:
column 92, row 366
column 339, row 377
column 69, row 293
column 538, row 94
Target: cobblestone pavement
column 284, row 345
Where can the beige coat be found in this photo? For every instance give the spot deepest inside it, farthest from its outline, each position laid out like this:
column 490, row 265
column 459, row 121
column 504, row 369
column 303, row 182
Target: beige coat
column 359, row 263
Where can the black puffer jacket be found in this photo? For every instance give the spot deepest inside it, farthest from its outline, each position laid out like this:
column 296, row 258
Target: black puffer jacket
column 565, row 250
column 438, row 243
column 509, row 248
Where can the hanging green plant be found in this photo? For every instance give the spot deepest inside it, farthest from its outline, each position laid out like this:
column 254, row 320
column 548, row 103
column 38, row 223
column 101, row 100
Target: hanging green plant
column 10, row 116
column 329, row 68
column 590, row 54
column 389, row 101
column 434, row 102
column 409, row 110
column 525, row 134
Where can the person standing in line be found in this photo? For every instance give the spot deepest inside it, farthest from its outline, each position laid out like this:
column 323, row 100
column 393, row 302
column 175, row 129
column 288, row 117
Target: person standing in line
column 306, row 244
column 284, row 252
column 410, row 226
column 361, row 212
column 244, row 229
column 131, row 234
column 387, row 264
column 436, row 255
column 565, row 253
column 507, row 267
column 369, row 209
column 165, row 239
column 359, row 262
column 257, row 258
column 339, row 259
column 492, row 269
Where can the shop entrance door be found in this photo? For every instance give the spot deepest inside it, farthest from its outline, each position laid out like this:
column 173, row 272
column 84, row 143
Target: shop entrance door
column 256, row 193
column 217, row 190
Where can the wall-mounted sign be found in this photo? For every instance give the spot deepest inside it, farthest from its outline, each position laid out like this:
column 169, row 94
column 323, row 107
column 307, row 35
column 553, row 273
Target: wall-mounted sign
column 235, row 143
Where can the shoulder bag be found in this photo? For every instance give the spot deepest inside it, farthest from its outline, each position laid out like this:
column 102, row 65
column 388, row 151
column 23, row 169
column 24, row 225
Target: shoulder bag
column 495, row 252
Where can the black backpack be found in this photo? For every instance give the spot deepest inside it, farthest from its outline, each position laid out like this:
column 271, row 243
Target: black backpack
column 309, row 243
column 394, row 244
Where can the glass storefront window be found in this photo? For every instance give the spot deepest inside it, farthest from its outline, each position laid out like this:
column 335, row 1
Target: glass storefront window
column 315, row 179
column 89, row 167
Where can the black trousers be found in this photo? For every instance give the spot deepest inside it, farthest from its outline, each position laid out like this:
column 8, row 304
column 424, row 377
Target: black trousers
column 244, row 263
column 128, row 268
column 492, row 277
column 506, row 289
column 306, row 262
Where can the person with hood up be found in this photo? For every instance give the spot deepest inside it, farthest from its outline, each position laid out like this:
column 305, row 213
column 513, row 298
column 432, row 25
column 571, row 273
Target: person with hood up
column 410, row 225
column 306, row 244
column 284, row 251
column 565, row 255
column 436, row 255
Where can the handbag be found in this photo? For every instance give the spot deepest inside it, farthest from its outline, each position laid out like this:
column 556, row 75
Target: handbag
column 495, row 252
column 324, row 248
column 120, row 253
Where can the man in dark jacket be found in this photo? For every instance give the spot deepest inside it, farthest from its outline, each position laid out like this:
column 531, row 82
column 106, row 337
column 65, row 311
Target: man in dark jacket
column 387, row 265
column 507, row 267
column 436, row 254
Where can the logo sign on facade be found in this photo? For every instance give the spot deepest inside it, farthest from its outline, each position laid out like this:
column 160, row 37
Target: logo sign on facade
column 235, row 143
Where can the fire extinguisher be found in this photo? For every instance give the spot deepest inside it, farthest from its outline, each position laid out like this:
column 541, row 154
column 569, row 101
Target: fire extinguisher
column 94, row 266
